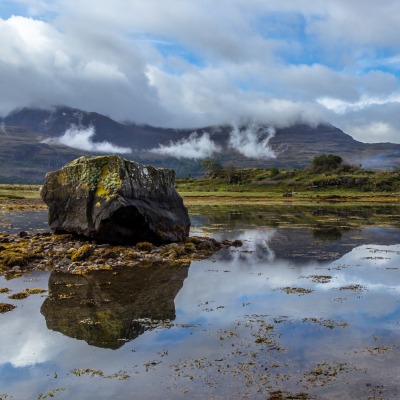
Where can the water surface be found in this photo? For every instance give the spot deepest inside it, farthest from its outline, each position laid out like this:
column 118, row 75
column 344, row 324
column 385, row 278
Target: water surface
column 296, row 309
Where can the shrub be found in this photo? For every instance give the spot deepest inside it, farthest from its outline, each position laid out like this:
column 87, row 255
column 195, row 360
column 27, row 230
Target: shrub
column 275, row 171
column 326, row 162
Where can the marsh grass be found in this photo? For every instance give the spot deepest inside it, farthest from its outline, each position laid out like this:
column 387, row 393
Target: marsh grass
column 19, row 191
column 297, row 185
column 264, row 185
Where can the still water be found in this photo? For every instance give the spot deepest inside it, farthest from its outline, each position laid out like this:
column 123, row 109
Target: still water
column 297, row 312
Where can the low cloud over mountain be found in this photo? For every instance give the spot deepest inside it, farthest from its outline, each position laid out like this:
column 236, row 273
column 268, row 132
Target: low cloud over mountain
column 251, row 141
column 82, row 139
column 195, row 147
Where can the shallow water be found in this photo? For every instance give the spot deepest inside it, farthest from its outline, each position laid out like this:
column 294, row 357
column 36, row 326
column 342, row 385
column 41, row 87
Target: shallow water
column 296, row 310
column 17, row 221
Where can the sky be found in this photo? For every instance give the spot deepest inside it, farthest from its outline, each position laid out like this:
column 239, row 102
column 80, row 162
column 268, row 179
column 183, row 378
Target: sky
column 196, row 63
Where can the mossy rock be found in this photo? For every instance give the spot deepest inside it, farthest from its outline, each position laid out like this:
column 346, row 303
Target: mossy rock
column 114, row 200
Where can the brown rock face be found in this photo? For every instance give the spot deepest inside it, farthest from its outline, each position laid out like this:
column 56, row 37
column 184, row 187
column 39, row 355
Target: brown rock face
column 114, row 200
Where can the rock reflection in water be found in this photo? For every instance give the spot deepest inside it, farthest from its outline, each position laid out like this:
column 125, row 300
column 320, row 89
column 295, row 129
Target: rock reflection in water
column 108, row 308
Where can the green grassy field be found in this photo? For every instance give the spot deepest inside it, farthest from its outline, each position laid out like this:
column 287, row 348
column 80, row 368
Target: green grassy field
column 266, row 185
column 257, row 184
column 19, row 191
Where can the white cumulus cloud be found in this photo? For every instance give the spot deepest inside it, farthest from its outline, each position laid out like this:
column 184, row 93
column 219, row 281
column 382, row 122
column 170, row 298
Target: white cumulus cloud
column 82, row 139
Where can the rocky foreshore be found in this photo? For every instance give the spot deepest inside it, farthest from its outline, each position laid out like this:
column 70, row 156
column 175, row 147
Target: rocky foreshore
column 25, row 252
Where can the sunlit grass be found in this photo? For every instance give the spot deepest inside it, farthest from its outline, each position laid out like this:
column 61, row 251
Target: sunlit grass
column 254, row 189
column 19, row 191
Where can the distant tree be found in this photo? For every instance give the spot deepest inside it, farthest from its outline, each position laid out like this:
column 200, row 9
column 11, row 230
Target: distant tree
column 326, row 162
column 210, row 167
column 274, row 171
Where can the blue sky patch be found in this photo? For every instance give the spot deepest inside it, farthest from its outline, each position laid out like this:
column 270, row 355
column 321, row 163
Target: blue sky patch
column 10, row 8
column 174, row 49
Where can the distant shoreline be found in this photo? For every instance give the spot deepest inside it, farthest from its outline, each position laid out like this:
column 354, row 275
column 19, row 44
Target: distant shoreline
column 27, row 198
column 295, row 200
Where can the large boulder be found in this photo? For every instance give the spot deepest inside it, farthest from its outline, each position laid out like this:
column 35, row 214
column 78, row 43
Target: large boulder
column 114, row 200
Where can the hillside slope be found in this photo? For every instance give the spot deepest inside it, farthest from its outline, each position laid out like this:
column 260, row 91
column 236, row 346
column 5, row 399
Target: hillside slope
column 24, row 156
column 24, row 159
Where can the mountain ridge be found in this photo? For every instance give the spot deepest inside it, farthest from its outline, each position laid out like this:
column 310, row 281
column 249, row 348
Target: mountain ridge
column 29, row 148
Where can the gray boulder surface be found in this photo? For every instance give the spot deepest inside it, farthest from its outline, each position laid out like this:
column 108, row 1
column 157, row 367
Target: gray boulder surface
column 110, row 199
